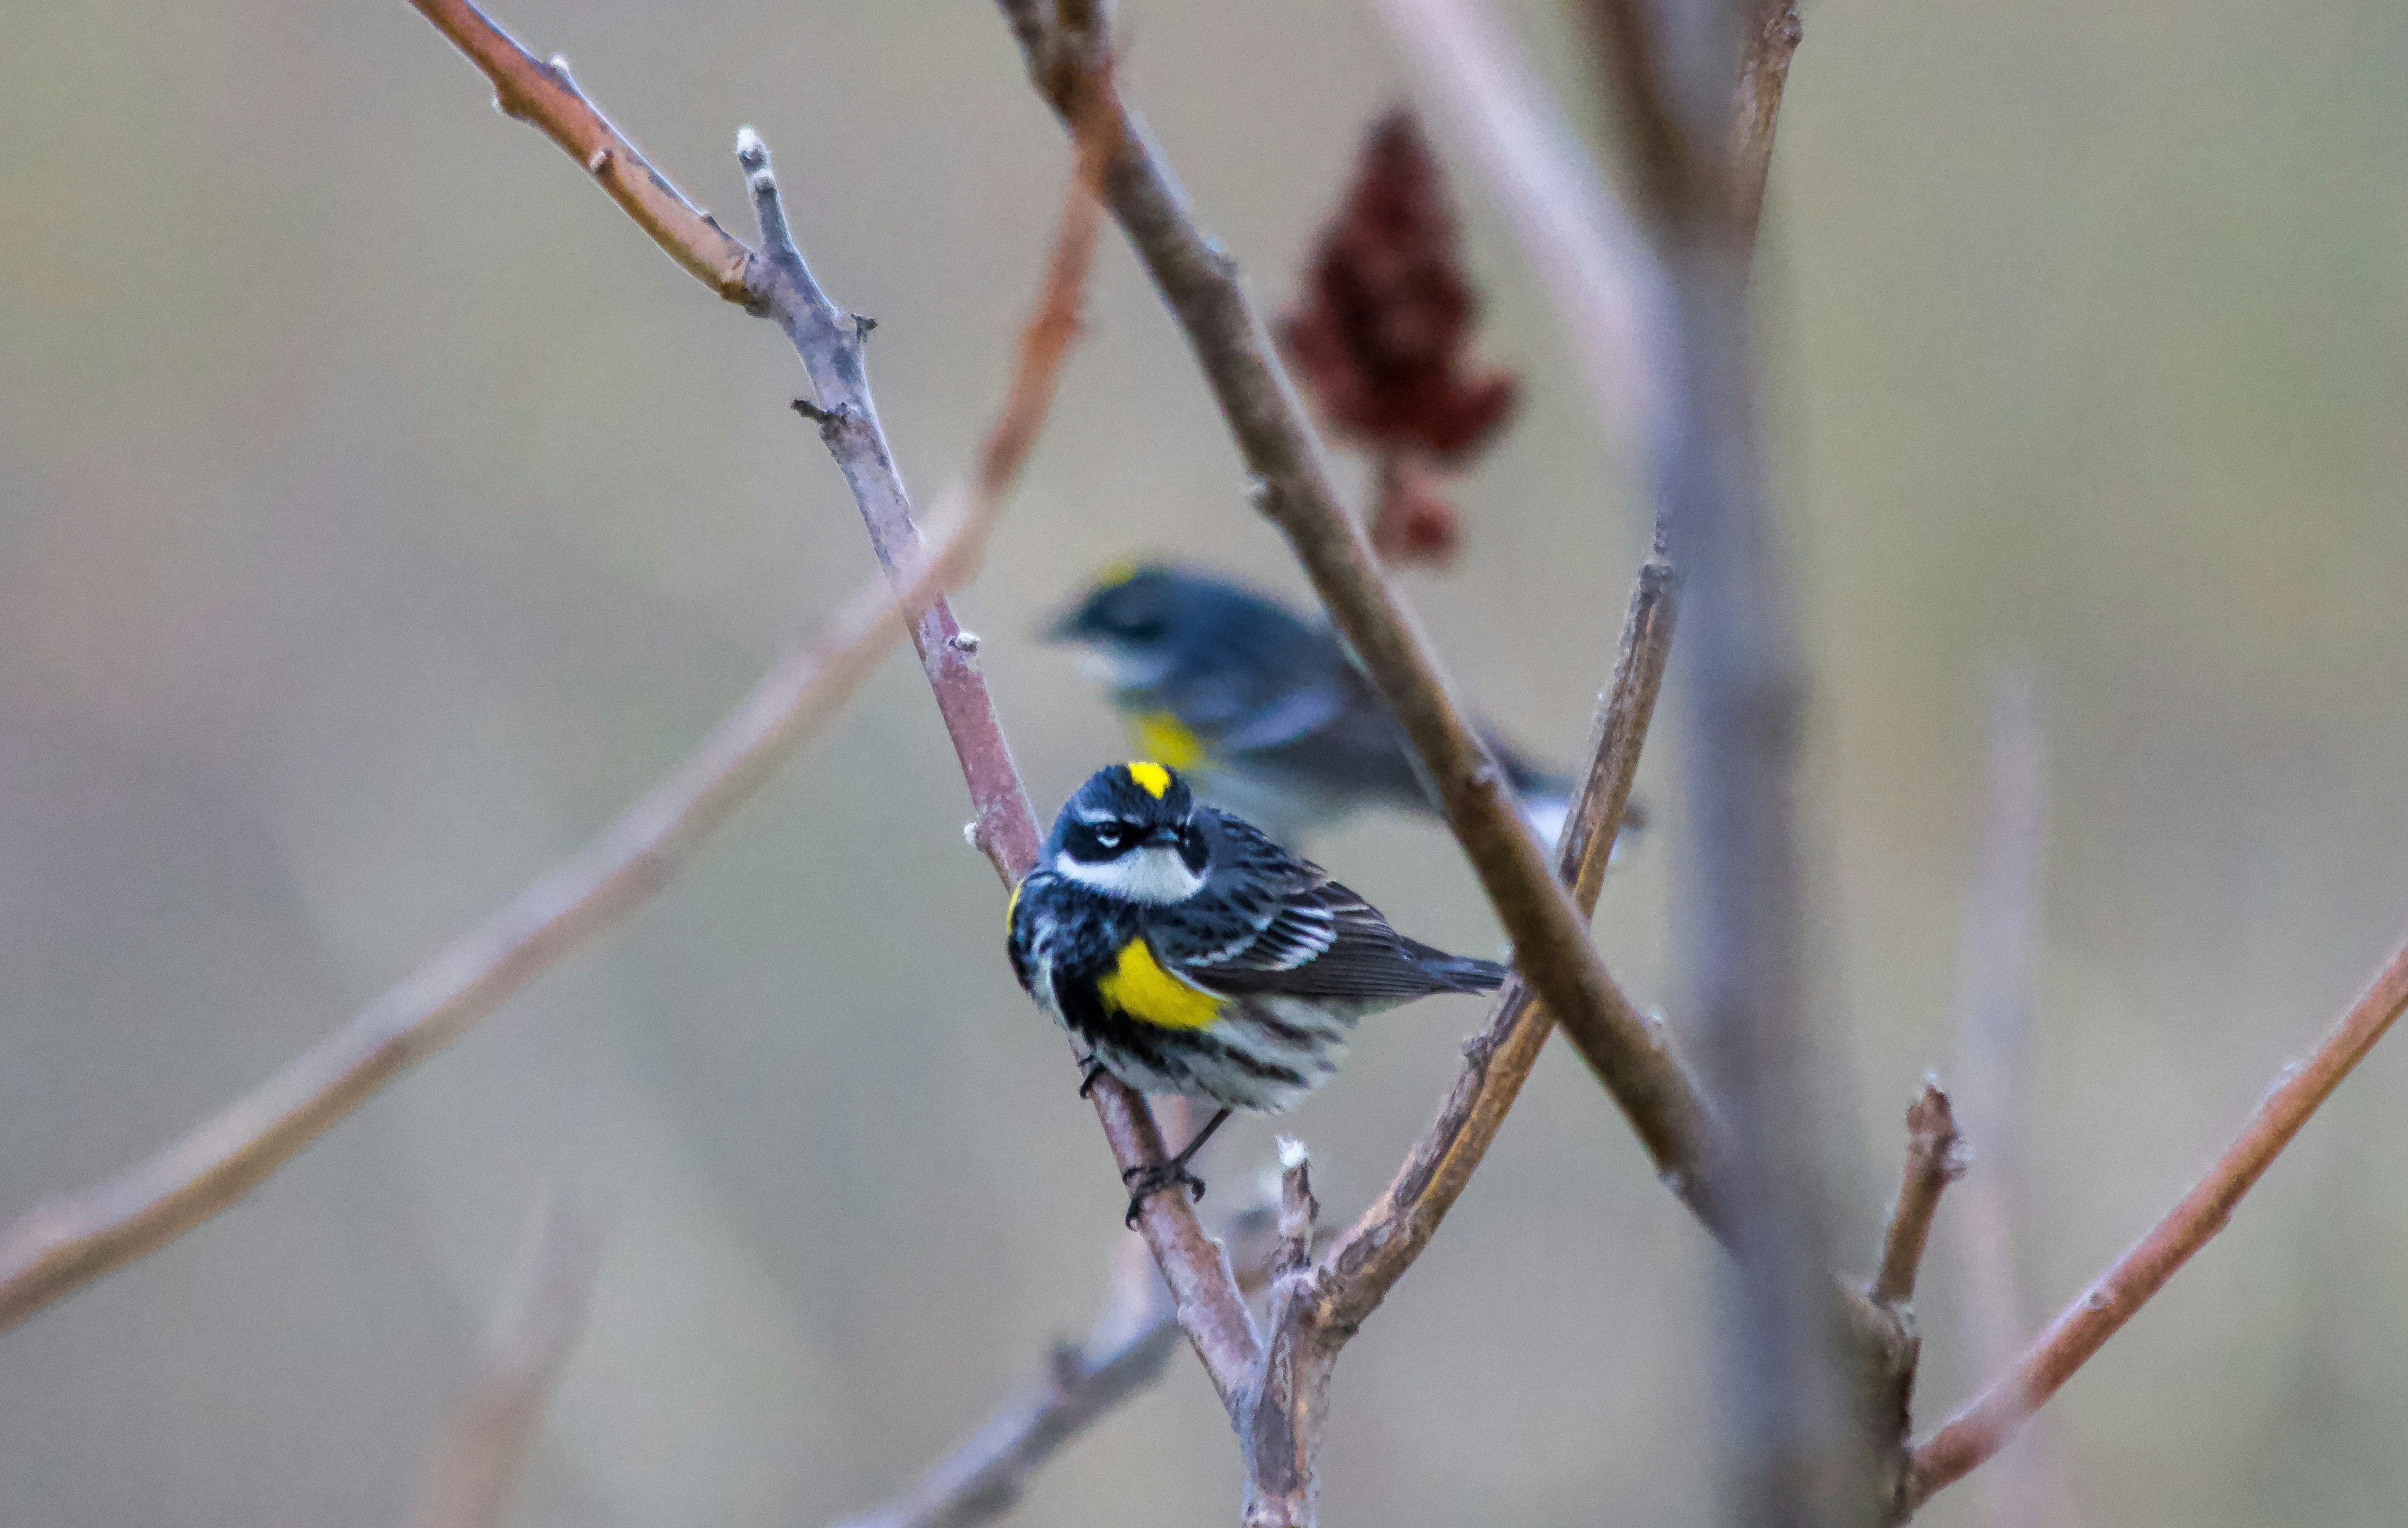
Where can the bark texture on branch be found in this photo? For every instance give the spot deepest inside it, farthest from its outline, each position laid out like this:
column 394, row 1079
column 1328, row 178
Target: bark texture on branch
column 1935, row 1158
column 829, row 341
column 1069, row 51
column 1320, row 1309
column 1985, row 1423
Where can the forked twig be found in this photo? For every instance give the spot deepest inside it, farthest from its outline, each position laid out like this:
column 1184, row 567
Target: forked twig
column 1324, row 1306
column 1985, row 1424
column 776, row 284
column 1127, row 1351
column 68, row 1241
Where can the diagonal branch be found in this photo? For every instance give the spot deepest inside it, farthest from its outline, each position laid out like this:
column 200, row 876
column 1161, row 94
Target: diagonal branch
column 483, row 1448
column 1068, row 50
column 1320, row 1310
column 1131, row 1343
column 1985, row 1423
column 1935, row 1158
column 70, row 1240
column 1390, row 1234
column 776, row 284
column 829, row 341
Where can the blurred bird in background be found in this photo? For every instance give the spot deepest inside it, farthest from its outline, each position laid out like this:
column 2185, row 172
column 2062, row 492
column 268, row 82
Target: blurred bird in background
column 1265, row 712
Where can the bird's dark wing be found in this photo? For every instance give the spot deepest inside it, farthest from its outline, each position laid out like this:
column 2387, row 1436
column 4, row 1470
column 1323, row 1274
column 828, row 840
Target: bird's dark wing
column 1269, row 923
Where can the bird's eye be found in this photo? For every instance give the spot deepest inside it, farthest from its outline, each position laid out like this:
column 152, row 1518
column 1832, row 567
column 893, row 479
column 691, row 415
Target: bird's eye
column 1108, row 836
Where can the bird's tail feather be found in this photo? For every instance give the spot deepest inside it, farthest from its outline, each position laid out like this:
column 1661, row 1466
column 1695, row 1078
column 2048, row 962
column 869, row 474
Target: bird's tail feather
column 1460, row 972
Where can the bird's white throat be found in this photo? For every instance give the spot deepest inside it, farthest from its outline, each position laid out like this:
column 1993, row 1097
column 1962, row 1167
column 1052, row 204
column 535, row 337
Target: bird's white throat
column 1153, row 873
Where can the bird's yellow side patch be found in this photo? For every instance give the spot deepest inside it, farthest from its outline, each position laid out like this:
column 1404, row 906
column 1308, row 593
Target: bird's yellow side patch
column 1139, row 986
column 1165, row 737
column 1152, row 776
column 1012, row 907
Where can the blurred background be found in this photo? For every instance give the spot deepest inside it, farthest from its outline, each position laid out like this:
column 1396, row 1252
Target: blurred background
column 380, row 511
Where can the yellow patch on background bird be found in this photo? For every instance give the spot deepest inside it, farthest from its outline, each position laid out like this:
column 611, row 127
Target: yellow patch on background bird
column 1139, row 986
column 1165, row 737
column 1152, row 776
column 1111, row 575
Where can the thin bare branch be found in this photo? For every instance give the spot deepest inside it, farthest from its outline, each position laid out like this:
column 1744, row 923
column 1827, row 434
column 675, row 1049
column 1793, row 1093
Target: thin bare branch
column 482, row 1451
column 1983, row 1427
column 1283, row 1427
column 1391, row 1233
column 1762, row 76
column 543, row 95
column 830, row 341
column 1131, row 1343
column 1935, row 1158
column 2022, row 1487
column 1319, row 1310
column 70, row 1240
column 1576, row 232
column 1068, row 50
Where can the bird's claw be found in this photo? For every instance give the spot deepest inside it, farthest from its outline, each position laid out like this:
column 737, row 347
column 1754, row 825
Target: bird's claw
column 1153, row 1179
column 1087, row 1081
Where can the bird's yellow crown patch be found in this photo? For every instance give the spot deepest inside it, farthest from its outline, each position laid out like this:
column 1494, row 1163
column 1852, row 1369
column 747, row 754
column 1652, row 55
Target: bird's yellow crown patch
column 1165, row 737
column 1151, row 777
column 1111, row 575
column 1138, row 986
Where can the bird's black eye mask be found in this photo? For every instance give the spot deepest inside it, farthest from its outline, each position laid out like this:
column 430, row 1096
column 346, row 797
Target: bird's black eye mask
column 1094, row 843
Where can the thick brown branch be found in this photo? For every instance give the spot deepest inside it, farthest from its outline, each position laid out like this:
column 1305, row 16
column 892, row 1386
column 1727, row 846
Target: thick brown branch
column 1985, row 1423
column 1934, row 1159
column 482, row 1449
column 68, row 1241
column 1067, row 52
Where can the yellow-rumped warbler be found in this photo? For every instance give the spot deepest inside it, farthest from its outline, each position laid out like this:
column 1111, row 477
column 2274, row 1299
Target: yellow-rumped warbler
column 1262, row 711
column 1192, row 955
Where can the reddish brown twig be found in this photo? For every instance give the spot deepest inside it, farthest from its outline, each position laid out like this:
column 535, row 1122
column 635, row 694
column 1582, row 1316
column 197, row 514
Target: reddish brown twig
column 1985, row 1424
column 68, row 1241
column 482, row 1449
column 829, row 341
column 776, row 284
column 1934, row 1159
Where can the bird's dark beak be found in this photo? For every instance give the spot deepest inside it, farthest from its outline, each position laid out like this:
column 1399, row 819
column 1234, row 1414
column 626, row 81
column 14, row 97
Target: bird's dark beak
column 1069, row 627
column 1170, row 835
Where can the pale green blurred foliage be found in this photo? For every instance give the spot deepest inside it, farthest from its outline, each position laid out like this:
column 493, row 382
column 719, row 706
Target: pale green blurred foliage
column 379, row 512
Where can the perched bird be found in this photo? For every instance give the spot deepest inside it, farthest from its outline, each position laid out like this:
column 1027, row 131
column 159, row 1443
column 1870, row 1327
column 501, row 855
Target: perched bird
column 1263, row 711
column 1192, row 955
